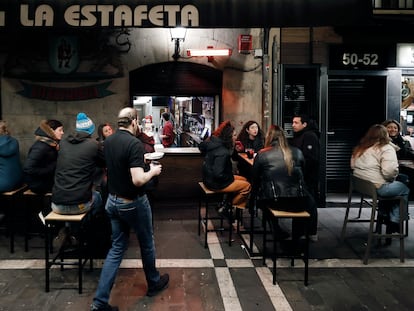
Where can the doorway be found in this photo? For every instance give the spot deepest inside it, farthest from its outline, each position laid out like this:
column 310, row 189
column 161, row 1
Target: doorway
column 354, row 104
column 190, row 92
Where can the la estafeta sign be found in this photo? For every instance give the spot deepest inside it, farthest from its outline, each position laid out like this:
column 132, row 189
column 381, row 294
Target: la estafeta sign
column 100, row 15
column 15, row 14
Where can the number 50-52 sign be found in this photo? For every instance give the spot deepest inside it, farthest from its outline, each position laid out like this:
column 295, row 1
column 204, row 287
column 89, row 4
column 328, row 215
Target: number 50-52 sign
column 349, row 57
column 355, row 59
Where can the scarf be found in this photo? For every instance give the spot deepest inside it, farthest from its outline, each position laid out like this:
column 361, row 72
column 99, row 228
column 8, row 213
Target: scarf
column 49, row 141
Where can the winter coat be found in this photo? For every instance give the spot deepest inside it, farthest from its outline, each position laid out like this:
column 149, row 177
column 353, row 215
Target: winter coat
column 307, row 141
column 39, row 167
column 217, row 166
column 377, row 164
column 79, row 155
column 256, row 144
column 11, row 174
column 269, row 169
column 403, row 148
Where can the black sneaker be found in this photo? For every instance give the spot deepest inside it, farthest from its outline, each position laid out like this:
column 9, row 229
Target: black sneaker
column 105, row 308
column 225, row 210
column 161, row 285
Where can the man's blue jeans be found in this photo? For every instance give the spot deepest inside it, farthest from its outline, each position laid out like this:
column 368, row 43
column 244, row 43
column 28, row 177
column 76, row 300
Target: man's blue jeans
column 94, row 205
column 395, row 188
column 126, row 214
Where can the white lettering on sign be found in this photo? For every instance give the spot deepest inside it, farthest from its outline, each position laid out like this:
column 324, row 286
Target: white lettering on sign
column 91, row 15
column 43, row 15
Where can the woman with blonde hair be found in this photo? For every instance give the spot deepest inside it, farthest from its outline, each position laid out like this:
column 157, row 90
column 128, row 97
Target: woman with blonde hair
column 374, row 159
column 11, row 174
column 278, row 170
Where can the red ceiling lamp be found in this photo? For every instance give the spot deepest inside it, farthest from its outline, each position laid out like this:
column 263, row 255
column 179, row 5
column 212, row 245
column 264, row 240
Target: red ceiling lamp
column 210, row 52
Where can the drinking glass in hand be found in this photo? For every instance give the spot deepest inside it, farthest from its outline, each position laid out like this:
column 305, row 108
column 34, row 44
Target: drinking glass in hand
column 250, row 153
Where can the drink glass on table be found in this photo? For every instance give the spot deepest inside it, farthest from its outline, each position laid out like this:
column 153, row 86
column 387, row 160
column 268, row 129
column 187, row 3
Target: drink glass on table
column 250, row 153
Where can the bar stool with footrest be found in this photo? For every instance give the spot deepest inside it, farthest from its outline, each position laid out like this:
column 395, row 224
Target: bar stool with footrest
column 208, row 197
column 80, row 255
column 367, row 189
column 9, row 203
column 298, row 250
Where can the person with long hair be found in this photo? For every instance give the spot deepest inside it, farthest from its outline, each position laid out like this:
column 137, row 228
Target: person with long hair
column 251, row 136
column 104, row 130
column 281, row 165
column 374, row 159
column 402, row 146
column 218, row 168
column 100, row 179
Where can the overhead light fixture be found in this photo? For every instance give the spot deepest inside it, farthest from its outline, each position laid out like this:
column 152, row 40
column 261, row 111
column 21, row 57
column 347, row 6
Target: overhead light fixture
column 209, row 52
column 177, row 35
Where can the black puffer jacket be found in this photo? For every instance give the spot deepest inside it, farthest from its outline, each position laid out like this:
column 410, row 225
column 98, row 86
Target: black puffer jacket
column 217, row 166
column 307, row 141
column 79, row 156
column 405, row 151
column 40, row 164
column 269, row 166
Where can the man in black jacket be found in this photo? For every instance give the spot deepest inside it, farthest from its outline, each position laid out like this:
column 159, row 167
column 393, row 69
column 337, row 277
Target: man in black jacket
column 306, row 138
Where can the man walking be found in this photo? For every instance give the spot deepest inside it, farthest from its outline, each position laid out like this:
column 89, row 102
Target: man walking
column 128, row 207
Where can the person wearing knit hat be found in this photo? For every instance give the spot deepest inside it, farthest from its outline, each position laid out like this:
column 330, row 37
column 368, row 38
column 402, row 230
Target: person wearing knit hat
column 84, row 123
column 40, row 164
column 79, row 157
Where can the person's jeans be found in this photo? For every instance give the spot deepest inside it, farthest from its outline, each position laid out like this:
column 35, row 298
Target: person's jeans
column 126, row 214
column 395, row 188
column 95, row 205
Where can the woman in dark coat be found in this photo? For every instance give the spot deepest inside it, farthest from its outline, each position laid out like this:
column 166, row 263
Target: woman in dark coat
column 39, row 167
column 218, row 168
column 402, row 146
column 251, row 137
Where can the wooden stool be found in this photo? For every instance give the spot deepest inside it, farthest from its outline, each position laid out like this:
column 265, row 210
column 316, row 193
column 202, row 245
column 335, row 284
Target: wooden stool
column 31, row 201
column 208, row 196
column 273, row 216
column 12, row 200
column 81, row 259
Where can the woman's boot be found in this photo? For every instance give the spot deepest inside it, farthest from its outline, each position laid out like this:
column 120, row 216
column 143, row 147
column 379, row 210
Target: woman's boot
column 392, row 227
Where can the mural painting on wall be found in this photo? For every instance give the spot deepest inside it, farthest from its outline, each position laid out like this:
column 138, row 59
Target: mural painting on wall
column 63, row 54
column 66, row 58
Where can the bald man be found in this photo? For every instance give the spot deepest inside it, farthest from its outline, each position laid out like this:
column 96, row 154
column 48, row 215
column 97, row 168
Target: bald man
column 128, row 207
